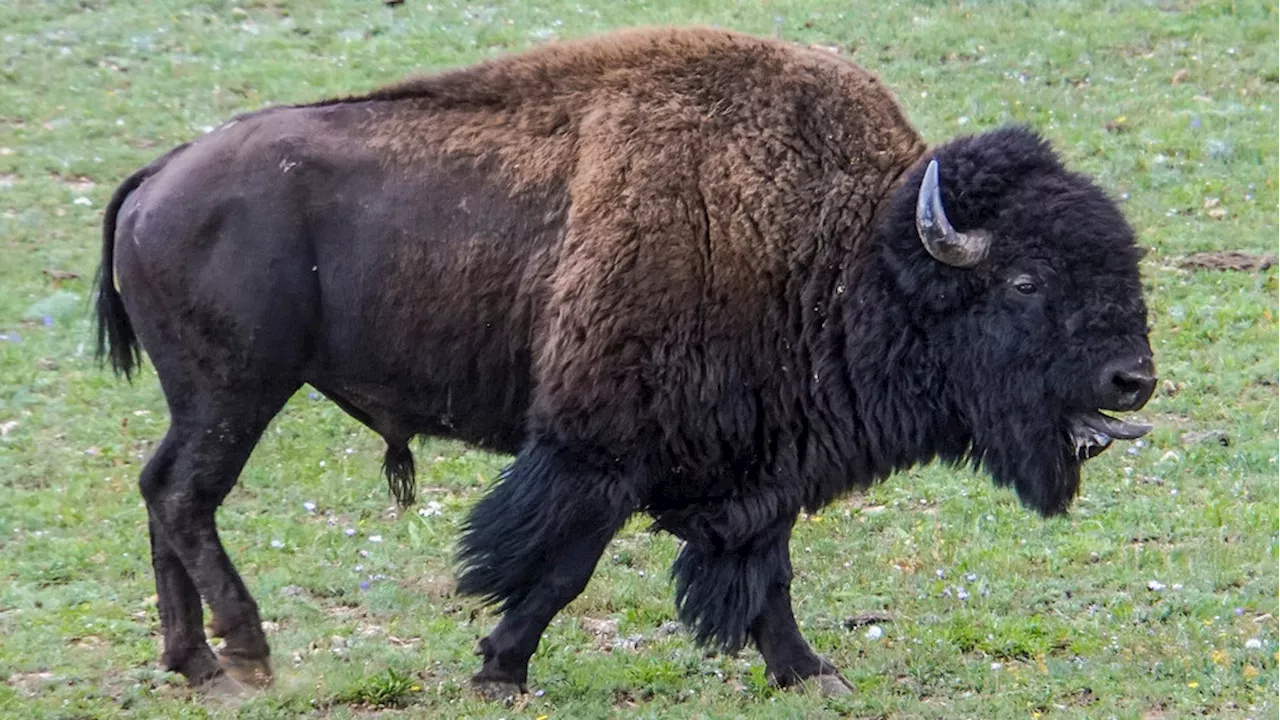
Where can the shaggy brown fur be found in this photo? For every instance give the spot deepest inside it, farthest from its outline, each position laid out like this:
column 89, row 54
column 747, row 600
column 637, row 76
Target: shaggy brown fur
column 672, row 271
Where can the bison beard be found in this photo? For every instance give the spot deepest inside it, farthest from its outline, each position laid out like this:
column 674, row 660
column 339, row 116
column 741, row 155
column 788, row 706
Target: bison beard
column 715, row 279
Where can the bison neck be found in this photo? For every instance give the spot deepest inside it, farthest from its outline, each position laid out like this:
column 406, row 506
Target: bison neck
column 887, row 408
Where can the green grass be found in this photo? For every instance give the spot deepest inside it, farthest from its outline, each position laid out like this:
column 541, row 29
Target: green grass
column 994, row 612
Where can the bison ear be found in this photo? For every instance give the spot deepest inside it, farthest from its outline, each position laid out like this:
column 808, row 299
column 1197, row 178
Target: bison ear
column 962, row 250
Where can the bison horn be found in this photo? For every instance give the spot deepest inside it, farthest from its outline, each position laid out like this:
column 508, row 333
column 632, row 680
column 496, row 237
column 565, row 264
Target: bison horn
column 940, row 239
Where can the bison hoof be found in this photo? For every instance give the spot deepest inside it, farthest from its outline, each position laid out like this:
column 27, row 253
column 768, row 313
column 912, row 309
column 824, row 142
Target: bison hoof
column 831, row 685
column 224, row 688
column 497, row 690
column 251, row 672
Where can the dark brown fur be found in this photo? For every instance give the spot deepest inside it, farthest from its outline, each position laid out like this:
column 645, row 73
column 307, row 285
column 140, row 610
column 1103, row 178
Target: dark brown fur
column 672, row 271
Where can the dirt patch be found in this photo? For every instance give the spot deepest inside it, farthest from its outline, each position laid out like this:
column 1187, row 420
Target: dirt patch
column 431, row 586
column 79, row 183
column 1227, row 260
column 31, row 684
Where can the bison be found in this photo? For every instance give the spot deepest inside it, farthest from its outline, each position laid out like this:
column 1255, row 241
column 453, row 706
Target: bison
column 712, row 278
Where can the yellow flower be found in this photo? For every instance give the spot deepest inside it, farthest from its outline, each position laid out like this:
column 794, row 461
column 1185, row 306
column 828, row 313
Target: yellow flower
column 1250, row 672
column 1193, row 684
column 1219, row 657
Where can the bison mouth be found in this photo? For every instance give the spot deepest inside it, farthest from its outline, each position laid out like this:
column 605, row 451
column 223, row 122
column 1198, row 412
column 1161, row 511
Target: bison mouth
column 1091, row 432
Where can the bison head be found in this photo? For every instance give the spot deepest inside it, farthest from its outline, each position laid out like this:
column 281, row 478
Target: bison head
column 1021, row 282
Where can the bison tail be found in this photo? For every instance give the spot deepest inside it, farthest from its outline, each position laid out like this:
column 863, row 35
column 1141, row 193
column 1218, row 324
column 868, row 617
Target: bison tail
column 116, row 338
column 548, row 516
column 397, row 465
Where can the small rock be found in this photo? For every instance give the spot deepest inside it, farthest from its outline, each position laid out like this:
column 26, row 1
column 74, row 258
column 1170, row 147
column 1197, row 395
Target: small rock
column 670, row 627
column 291, row 591
column 874, row 633
column 1218, row 436
column 871, row 618
column 630, row 642
column 1155, row 586
column 48, row 364
column 269, row 627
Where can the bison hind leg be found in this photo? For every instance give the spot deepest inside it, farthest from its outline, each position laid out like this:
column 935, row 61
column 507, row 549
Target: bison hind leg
column 397, row 465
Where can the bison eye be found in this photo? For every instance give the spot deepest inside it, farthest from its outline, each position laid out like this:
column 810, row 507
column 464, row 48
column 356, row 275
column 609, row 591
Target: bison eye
column 1026, row 287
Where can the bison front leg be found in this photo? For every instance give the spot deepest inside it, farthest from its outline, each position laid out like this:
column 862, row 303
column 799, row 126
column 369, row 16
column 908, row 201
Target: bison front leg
column 787, row 656
column 729, row 595
column 532, row 544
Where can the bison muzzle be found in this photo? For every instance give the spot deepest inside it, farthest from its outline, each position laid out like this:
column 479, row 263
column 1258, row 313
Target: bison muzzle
column 712, row 278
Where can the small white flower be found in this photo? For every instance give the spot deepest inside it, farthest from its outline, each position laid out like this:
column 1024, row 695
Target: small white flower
column 375, row 538
column 277, row 544
column 82, row 201
column 997, row 666
column 351, row 532
column 1253, row 644
column 1155, row 586
column 309, row 506
column 874, row 632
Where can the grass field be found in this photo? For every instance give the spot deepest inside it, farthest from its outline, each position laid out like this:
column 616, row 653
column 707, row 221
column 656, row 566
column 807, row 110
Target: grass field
column 1156, row 598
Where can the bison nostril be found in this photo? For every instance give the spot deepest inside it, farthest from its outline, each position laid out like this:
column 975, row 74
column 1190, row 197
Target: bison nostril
column 1130, row 383
column 1129, row 387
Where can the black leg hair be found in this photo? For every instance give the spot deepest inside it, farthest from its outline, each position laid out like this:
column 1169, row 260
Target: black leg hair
column 727, row 596
column 532, row 544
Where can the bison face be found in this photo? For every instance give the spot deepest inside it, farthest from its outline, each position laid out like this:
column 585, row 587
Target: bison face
column 1022, row 281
